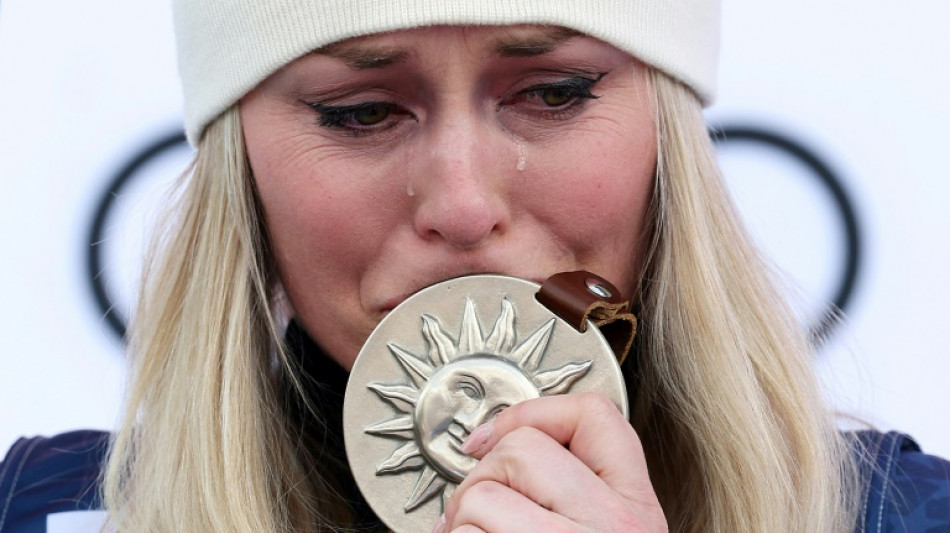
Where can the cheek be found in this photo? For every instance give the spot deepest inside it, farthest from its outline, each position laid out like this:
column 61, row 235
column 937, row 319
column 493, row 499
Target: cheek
column 602, row 195
column 592, row 196
column 326, row 218
column 302, row 219
column 316, row 196
column 323, row 211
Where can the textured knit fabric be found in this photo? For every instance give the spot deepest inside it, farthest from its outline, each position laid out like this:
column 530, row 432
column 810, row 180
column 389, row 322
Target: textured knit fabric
column 226, row 47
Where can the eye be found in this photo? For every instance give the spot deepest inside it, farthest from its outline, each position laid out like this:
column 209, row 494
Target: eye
column 371, row 114
column 363, row 117
column 557, row 95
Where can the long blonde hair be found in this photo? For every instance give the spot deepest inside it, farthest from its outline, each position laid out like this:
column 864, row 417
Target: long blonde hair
column 726, row 403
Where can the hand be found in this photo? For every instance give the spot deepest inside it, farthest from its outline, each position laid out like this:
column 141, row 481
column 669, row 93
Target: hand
column 558, row 463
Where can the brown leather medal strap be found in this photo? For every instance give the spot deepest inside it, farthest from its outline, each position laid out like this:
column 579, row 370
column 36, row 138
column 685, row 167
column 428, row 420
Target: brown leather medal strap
column 580, row 296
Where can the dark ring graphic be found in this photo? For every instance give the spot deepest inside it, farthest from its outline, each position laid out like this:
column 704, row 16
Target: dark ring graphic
column 847, row 214
column 94, row 252
column 771, row 140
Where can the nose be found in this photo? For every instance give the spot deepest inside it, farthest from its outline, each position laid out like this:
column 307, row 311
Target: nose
column 459, row 195
column 469, row 421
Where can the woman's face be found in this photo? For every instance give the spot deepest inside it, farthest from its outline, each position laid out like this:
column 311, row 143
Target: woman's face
column 390, row 162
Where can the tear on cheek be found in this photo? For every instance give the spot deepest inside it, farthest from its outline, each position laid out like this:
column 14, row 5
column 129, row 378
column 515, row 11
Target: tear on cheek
column 522, row 162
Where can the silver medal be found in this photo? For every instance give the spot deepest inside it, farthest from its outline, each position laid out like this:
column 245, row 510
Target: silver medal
column 444, row 361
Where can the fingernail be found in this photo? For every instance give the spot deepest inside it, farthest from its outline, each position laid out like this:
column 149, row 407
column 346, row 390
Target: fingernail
column 440, row 525
column 476, row 441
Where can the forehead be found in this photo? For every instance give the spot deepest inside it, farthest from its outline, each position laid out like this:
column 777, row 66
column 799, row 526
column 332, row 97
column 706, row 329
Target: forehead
column 379, row 50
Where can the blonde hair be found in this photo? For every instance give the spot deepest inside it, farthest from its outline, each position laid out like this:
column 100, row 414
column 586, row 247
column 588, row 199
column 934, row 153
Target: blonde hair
column 725, row 399
column 206, row 443
column 729, row 411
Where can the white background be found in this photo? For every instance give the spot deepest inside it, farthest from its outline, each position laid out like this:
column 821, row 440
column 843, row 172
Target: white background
column 85, row 85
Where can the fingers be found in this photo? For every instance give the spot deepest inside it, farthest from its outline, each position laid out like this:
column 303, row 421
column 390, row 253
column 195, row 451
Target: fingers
column 543, row 471
column 508, row 511
column 571, row 457
column 589, row 425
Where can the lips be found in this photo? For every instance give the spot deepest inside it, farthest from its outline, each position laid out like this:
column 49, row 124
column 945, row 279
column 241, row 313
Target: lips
column 391, row 303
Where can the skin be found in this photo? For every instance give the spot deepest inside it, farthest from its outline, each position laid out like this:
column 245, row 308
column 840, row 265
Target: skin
column 557, row 463
column 488, row 154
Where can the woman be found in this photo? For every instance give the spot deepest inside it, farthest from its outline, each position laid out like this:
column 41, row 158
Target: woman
column 350, row 154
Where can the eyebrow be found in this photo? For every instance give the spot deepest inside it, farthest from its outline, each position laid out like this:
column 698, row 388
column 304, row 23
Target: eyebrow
column 361, row 57
column 535, row 44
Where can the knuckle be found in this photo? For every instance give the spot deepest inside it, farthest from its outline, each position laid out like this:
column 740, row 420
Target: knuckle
column 485, row 492
column 599, row 404
column 520, row 438
column 516, row 415
column 513, row 452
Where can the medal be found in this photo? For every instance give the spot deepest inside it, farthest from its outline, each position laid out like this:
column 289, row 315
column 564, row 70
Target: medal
column 452, row 357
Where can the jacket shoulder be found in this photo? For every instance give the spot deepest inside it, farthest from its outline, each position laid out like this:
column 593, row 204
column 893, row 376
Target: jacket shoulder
column 908, row 490
column 46, row 475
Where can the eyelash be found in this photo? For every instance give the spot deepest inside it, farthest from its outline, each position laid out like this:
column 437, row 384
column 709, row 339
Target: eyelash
column 345, row 117
column 576, row 90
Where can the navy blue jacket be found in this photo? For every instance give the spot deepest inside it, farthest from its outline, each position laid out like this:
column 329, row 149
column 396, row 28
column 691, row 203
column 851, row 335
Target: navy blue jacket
column 43, row 476
column 909, row 491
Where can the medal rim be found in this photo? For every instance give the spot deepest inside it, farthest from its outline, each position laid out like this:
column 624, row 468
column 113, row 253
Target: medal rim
column 387, row 505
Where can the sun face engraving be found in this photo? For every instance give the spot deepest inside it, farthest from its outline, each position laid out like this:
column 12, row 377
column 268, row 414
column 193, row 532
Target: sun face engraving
column 457, row 386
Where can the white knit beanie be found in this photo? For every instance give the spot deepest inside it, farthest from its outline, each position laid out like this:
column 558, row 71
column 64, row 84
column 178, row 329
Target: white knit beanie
column 227, row 47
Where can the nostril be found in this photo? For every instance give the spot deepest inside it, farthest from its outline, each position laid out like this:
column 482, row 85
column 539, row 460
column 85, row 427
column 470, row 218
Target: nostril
column 457, row 192
column 463, row 221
